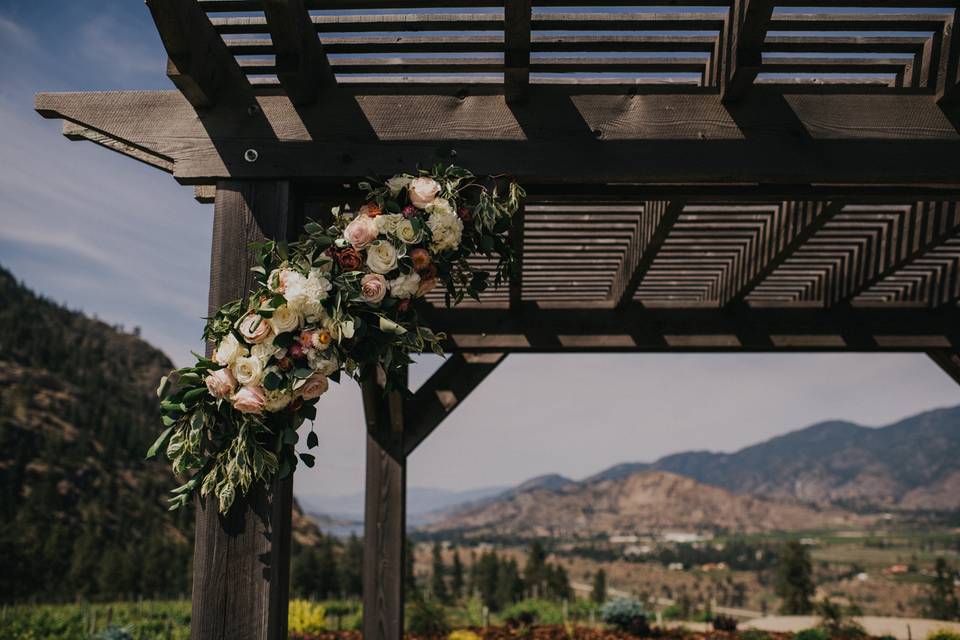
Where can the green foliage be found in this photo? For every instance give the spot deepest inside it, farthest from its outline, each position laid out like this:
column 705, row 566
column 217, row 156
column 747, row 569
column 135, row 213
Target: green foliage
column 599, row 592
column 627, row 615
column 306, row 617
column 837, row 623
column 527, row 612
column 944, row 634
column 942, row 601
column 114, row 633
column 427, row 618
column 148, row 620
column 724, row 623
column 438, row 584
column 794, row 582
column 816, row 633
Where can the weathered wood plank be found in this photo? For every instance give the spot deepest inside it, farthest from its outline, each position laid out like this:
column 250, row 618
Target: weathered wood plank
column 199, row 64
column 384, row 514
column 657, row 221
column 444, row 391
column 751, row 19
column 301, row 64
column 948, row 72
column 241, row 562
column 516, row 54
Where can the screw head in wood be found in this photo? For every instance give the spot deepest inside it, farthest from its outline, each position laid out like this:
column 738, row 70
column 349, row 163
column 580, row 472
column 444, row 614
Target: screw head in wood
column 251, row 155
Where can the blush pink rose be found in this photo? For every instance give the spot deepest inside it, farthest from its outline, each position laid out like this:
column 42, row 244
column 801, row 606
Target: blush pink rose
column 250, row 399
column 373, row 287
column 426, row 286
column 423, row 191
column 361, row 231
column 315, row 386
column 254, row 329
column 221, row 383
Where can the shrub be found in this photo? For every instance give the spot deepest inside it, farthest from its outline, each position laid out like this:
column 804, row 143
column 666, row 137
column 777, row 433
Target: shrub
column 724, row 623
column 837, row 623
column 529, row 612
column 626, row 615
column 463, row 634
column 306, row 617
column 944, row 634
column 114, row 633
column 428, row 619
column 812, row 634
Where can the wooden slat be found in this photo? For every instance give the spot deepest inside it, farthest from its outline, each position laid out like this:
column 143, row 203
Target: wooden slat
column 241, row 566
column 384, row 514
column 199, row 64
column 803, row 233
column 301, row 64
column 948, row 76
column 517, row 236
column 657, row 220
column 444, row 391
column 750, row 21
column 516, row 49
column 948, row 360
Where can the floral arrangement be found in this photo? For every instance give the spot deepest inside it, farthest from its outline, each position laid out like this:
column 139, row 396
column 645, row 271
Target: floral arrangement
column 340, row 299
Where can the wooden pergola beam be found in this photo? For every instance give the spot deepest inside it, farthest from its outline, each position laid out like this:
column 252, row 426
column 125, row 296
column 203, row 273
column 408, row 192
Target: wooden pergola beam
column 948, row 76
column 747, row 33
column 516, row 49
column 301, row 63
column 444, row 391
column 803, row 233
column 199, row 63
column 948, row 360
column 636, row 328
column 655, row 225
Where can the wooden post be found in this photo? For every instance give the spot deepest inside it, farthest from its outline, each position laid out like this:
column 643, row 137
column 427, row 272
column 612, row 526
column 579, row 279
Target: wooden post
column 241, row 565
column 384, row 534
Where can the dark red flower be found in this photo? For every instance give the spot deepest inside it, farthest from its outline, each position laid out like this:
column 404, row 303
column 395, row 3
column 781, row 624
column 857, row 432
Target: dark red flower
column 403, row 305
column 349, row 259
column 296, row 350
column 465, row 214
column 409, row 211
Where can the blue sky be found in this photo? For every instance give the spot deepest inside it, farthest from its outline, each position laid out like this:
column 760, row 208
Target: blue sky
column 121, row 240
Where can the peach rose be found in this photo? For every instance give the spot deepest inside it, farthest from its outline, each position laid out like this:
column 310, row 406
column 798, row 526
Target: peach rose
column 254, row 328
column 423, row 191
column 373, row 287
column 315, row 386
column 361, row 231
column 421, row 259
column 221, row 383
column 426, row 286
column 371, row 209
column 250, row 399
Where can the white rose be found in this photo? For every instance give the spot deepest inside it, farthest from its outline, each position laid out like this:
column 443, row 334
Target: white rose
column 382, row 257
column 446, row 229
column 277, row 400
column 325, row 365
column 422, row 191
column 440, row 205
column 387, row 223
column 405, row 285
column 396, row 184
column 284, row 319
column 247, row 369
column 406, row 232
column 229, row 350
column 265, row 350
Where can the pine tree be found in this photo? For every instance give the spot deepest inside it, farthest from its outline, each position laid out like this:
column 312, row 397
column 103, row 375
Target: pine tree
column 351, row 567
column 942, row 603
column 534, row 574
column 795, row 579
column 558, row 583
column 456, row 576
column 509, row 586
column 599, row 593
column 438, row 584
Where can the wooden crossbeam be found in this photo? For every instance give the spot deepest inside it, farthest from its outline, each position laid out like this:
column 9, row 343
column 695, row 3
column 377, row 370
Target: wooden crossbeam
column 749, row 28
column 789, row 245
column 72, row 131
column 516, row 242
column 948, row 73
column 948, row 360
column 949, row 227
column 301, row 63
column 516, row 50
column 446, row 389
column 657, row 220
column 199, row 63
column 636, row 328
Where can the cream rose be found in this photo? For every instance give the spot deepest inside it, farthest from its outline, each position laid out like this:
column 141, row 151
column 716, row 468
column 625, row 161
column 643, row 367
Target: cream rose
column 254, row 328
column 382, row 257
column 221, row 383
column 373, row 287
column 405, row 285
column 422, row 191
column 250, row 399
column 440, row 205
column 361, row 231
column 324, row 366
column 315, row 386
column 247, row 369
column 284, row 319
column 396, row 184
column 446, row 229
column 229, row 350
column 276, row 400
column 265, row 350
column 387, row 223
column 406, row 232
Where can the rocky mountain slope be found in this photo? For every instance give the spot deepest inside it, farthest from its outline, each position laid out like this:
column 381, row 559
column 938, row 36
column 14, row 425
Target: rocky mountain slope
column 643, row 501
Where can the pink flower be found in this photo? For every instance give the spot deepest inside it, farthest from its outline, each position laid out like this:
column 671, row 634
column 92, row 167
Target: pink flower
column 315, row 386
column 254, row 328
column 250, row 399
column 361, row 231
column 423, row 191
column 373, row 287
column 221, row 383
column 409, row 211
column 307, row 339
column 426, row 286
column 296, row 350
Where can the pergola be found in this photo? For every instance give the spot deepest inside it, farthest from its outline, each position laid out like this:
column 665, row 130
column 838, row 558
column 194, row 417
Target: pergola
column 703, row 175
